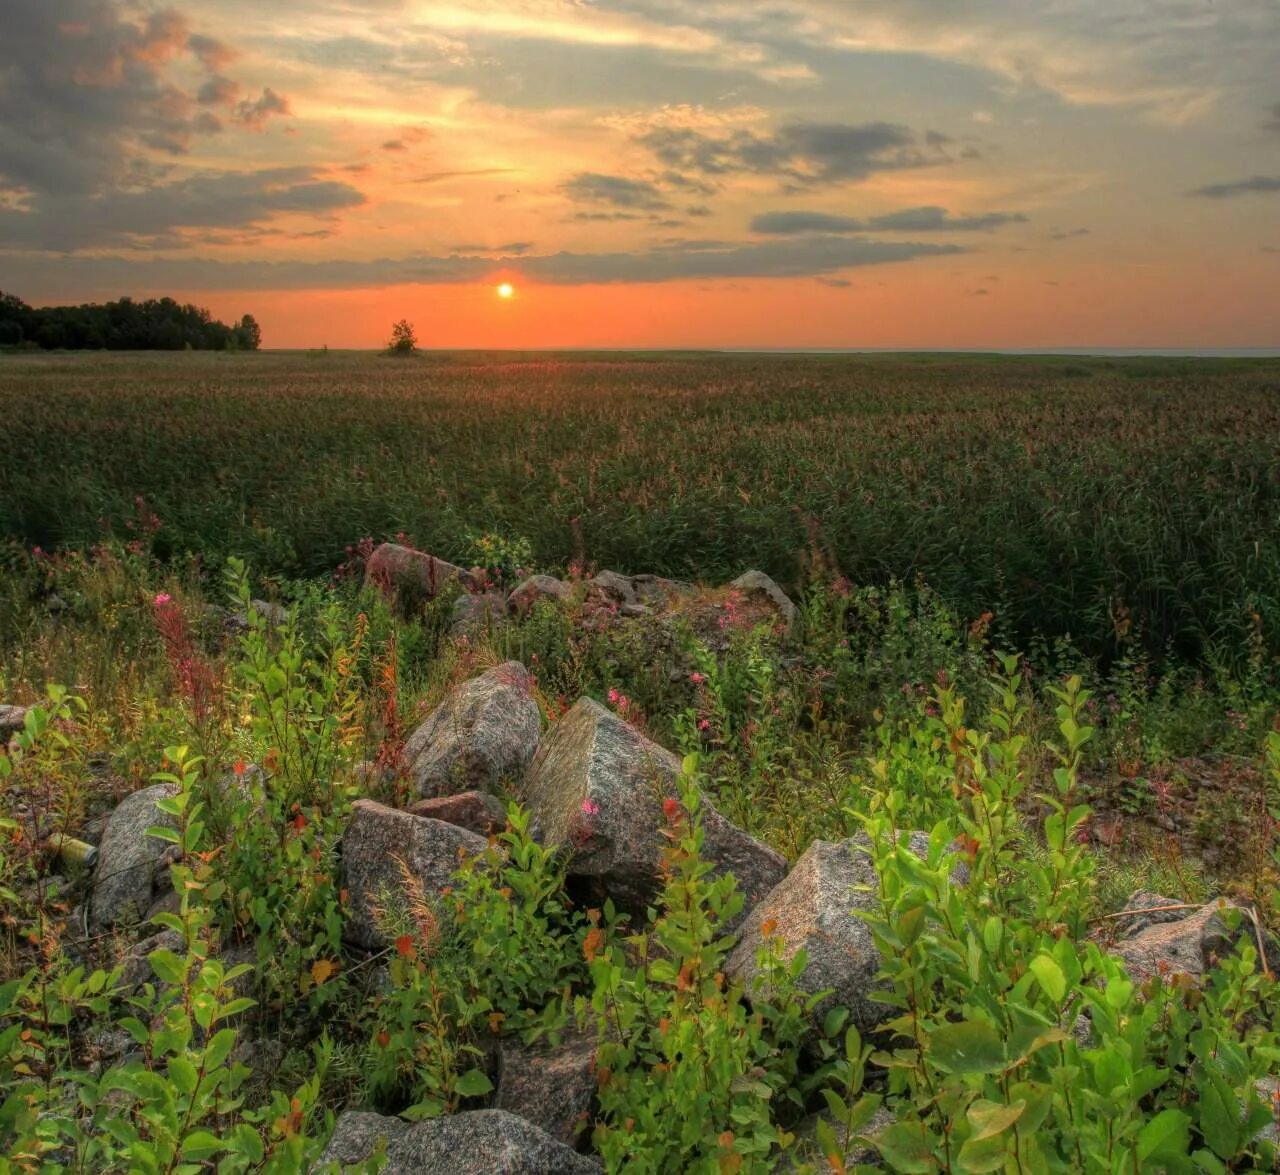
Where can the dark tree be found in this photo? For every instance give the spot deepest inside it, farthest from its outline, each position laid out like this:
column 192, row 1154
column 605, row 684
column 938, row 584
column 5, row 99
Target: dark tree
column 248, row 334
column 403, row 340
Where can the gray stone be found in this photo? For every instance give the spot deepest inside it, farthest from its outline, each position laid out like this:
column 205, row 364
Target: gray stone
column 476, row 811
column 11, row 720
column 807, row 1152
column 377, row 838
column 658, row 592
column 1150, row 909
column 598, row 785
column 615, row 587
column 755, row 585
column 538, row 587
column 412, row 578
column 552, row 1086
column 812, row 909
column 484, row 733
column 127, row 856
column 1188, row 945
column 137, row 970
column 479, row 1142
column 1268, row 1089
column 477, row 615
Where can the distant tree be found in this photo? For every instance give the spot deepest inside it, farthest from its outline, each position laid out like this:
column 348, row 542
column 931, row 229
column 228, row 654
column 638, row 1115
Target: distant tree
column 248, row 335
column 403, row 340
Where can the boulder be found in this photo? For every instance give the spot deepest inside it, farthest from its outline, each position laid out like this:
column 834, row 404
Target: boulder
column 661, row 593
column 476, row 811
column 412, row 578
column 757, row 586
column 813, row 909
column 478, row 1142
column 11, row 720
column 486, row 731
column 1186, row 945
column 127, row 857
column 599, row 785
column 477, row 615
column 376, row 840
column 613, row 586
column 537, row 587
column 551, row 1086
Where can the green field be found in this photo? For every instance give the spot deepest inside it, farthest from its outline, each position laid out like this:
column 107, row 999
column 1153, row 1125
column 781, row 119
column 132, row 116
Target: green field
column 1096, row 498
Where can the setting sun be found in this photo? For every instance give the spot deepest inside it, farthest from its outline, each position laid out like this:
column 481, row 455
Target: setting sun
column 506, row 290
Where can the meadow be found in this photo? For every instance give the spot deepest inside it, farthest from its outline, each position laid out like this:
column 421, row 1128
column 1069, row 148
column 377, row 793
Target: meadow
column 1037, row 620
column 1111, row 501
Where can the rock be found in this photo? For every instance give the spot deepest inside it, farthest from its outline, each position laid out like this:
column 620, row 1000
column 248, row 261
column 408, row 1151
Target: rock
column 477, row 615
column 807, row 1151
column 538, row 587
column 478, row 1142
column 614, row 587
column 137, row 970
column 1268, row 1090
column 755, row 585
column 375, row 837
column 476, row 811
column 356, row 1137
column 551, row 1086
column 486, row 731
column 599, row 785
column 812, row 909
column 1188, row 945
column 11, row 720
column 412, row 578
column 1149, row 911
column 127, row 856
column 661, row 593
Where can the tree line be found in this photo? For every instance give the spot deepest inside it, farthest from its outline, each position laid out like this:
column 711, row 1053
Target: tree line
column 154, row 324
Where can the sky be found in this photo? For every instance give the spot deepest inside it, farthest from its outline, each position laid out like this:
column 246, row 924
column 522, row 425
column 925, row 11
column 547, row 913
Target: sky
column 654, row 173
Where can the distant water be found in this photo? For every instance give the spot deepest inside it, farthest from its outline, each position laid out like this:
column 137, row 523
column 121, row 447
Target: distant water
column 1094, row 352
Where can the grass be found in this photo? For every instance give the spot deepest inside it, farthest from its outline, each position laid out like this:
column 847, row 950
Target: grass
column 1097, row 499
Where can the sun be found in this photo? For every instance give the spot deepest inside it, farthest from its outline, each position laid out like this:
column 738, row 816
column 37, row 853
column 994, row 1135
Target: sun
column 506, row 290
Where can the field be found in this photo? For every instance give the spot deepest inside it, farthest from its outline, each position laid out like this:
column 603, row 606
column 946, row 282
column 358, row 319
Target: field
column 1110, row 500
column 1033, row 616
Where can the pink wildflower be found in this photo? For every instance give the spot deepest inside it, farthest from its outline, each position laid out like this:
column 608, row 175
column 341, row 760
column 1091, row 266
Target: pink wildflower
column 704, row 724
column 697, row 678
column 162, row 598
column 590, row 808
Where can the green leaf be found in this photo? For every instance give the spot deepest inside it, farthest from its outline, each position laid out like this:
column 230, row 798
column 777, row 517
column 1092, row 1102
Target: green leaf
column 1220, row 1113
column 971, row 1046
column 991, row 1118
column 1051, row 978
column 200, row 1144
column 983, row 1154
column 169, row 968
column 906, row 1147
column 1165, row 1136
column 473, row 1083
column 184, row 1075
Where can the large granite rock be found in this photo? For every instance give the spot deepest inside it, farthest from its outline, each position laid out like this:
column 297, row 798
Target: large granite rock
column 11, row 720
column 755, row 585
column 477, row 615
column 1177, row 942
column 552, row 1086
column 411, row 578
column 812, row 909
column 486, row 731
column 476, row 811
column 598, row 785
column 377, row 838
column 479, row 1142
column 537, row 587
column 128, row 857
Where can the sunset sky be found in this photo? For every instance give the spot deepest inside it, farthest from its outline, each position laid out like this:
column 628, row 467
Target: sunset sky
column 656, row 173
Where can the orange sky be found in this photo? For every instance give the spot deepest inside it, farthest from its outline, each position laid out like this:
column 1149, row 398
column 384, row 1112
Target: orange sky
column 772, row 173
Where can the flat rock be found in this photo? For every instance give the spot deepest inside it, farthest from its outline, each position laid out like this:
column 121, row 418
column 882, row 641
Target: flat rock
column 11, row 720
column 484, row 733
column 476, row 811
column 412, row 578
column 614, row 586
column 552, row 1086
column 1185, row 946
column 756, row 585
column 377, row 838
column 479, row 1142
column 812, row 908
column 537, row 587
column 127, row 857
column 599, row 785
column 477, row 615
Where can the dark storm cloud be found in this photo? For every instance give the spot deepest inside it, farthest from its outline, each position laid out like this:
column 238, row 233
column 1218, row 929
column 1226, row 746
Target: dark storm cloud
column 157, row 214
column 928, row 218
column 1245, row 187
column 615, row 190
column 256, row 113
column 805, row 153
column 218, row 91
column 46, row 278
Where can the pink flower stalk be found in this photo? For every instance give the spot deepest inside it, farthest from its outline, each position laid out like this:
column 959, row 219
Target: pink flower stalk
column 697, row 678
column 590, row 808
column 162, row 598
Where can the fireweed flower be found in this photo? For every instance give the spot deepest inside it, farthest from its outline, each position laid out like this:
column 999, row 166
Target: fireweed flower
column 162, row 598
column 590, row 808
column 697, row 678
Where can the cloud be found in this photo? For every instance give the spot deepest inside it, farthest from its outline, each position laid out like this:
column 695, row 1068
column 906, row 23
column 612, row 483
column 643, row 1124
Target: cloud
column 46, row 278
column 804, row 153
column 1273, row 119
column 928, row 218
column 255, row 114
column 213, row 54
column 1225, row 191
column 158, row 215
column 1066, row 234
column 218, row 91
column 511, row 248
column 615, row 190
column 836, row 283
